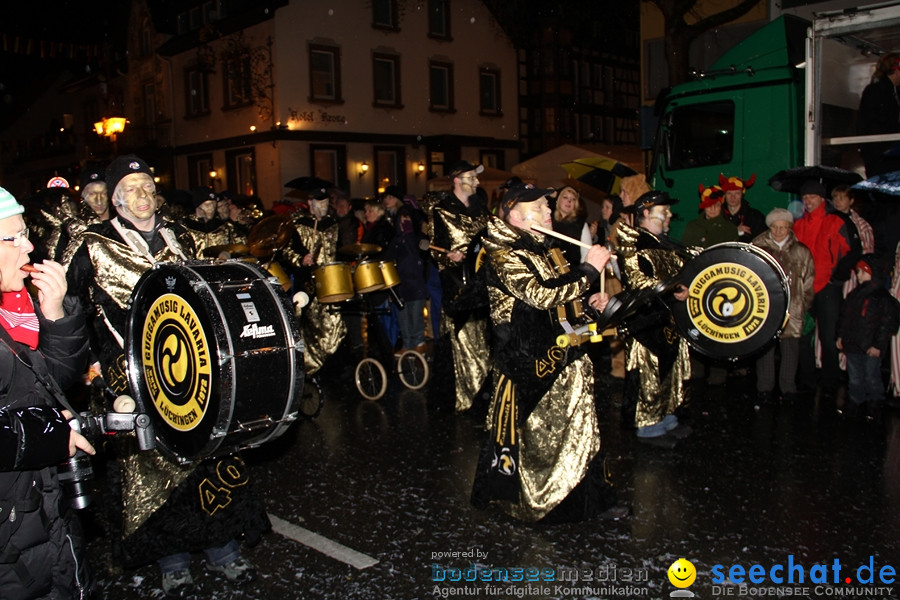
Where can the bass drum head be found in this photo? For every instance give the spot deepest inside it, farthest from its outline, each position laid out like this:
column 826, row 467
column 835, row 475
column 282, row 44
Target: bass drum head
column 210, row 346
column 737, row 301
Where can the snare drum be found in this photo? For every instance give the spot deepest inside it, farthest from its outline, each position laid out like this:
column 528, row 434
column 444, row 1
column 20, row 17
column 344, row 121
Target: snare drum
column 214, row 356
column 738, row 298
column 368, row 277
column 389, row 273
column 333, row 282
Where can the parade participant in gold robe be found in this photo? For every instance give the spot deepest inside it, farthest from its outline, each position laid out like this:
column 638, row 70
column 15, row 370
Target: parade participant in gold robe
column 165, row 506
column 657, row 361
column 205, row 227
column 455, row 220
column 314, row 245
column 541, row 459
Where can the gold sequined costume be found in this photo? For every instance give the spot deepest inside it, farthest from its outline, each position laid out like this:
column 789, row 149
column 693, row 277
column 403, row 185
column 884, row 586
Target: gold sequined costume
column 321, row 326
column 659, row 356
column 542, row 455
column 214, row 232
column 453, row 226
column 160, row 512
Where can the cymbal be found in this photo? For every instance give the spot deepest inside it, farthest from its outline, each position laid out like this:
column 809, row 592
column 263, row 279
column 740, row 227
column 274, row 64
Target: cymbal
column 269, row 235
column 359, row 249
column 234, row 250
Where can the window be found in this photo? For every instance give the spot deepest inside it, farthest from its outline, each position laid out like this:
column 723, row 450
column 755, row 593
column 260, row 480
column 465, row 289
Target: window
column 146, row 39
column 330, row 163
column 238, row 77
column 199, row 167
column 438, row 19
column 240, row 166
column 489, row 92
column 150, row 110
column 197, row 102
column 384, row 14
column 324, row 73
column 386, row 75
column 441, row 86
column 699, row 135
column 388, row 167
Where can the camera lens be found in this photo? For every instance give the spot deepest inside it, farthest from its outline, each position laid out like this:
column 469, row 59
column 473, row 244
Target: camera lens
column 72, row 476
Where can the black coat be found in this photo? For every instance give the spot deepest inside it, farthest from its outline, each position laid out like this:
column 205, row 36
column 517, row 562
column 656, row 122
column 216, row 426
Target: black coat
column 41, row 545
column 870, row 318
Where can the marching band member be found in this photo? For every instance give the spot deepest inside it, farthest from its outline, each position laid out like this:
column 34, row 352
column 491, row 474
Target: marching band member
column 206, row 227
column 164, row 510
column 315, row 244
column 657, row 361
column 455, row 220
column 541, row 458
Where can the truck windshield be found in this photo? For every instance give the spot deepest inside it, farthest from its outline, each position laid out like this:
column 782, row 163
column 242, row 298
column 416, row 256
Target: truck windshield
column 699, row 135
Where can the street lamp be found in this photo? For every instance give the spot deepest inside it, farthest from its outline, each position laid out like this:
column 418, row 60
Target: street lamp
column 110, row 127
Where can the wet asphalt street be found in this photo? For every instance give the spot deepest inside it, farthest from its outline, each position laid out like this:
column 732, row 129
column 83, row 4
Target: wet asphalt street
column 378, row 495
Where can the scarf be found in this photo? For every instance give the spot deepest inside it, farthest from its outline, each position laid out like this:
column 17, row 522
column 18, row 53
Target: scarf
column 18, row 318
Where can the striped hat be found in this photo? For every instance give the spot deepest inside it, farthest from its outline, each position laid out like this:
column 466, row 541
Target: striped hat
column 8, row 205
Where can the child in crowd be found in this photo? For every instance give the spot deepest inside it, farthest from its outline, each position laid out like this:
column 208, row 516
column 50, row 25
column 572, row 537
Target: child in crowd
column 869, row 319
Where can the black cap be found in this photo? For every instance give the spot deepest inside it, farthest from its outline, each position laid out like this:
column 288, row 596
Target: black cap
column 92, row 175
column 514, row 180
column 650, row 199
column 813, row 186
column 522, row 193
column 202, row 194
column 122, row 166
column 395, row 191
column 463, row 166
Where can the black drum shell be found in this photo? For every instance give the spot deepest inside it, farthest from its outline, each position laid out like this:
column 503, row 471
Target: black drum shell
column 253, row 348
column 749, row 274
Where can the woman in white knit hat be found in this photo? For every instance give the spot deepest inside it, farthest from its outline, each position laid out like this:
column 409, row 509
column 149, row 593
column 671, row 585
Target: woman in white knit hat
column 43, row 349
column 797, row 262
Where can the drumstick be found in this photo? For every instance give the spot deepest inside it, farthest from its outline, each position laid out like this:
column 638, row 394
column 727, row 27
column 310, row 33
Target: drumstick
column 424, row 245
column 571, row 240
column 555, row 234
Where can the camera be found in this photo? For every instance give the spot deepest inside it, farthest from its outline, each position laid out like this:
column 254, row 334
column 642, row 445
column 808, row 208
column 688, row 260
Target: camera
column 78, row 470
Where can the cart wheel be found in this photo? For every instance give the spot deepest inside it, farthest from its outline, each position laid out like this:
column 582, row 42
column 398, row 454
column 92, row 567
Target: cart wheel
column 312, row 399
column 371, row 379
column 413, row 369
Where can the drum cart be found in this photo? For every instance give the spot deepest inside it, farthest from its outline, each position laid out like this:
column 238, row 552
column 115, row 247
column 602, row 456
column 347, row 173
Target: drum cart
column 351, row 289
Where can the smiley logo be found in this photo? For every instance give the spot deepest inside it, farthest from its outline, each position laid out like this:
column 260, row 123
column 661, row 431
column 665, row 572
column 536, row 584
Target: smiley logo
column 682, row 573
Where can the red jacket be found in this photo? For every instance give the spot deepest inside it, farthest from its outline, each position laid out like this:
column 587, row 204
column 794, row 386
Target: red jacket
column 830, row 240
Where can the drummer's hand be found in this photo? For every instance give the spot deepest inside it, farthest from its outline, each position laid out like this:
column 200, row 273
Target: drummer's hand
column 599, row 300
column 307, row 260
column 455, row 255
column 597, row 257
column 50, row 280
column 681, row 293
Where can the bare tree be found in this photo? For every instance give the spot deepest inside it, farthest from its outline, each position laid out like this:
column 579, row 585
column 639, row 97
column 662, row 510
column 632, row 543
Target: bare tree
column 679, row 33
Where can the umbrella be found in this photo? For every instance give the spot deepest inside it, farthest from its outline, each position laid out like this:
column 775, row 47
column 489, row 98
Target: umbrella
column 314, row 186
column 887, row 184
column 791, row 180
column 599, row 172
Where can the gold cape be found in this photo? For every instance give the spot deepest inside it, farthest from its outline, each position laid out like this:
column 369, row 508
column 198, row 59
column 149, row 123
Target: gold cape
column 454, row 231
column 321, row 326
column 646, row 265
column 560, row 437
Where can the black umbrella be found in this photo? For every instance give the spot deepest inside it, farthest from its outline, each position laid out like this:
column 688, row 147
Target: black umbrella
column 791, row 180
column 314, row 186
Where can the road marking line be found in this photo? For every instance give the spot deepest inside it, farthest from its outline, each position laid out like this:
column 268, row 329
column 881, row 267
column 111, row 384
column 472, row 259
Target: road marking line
column 322, row 544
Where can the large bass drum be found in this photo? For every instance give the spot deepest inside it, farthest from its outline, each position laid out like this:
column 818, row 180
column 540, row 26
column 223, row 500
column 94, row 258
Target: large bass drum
column 214, row 357
column 737, row 303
